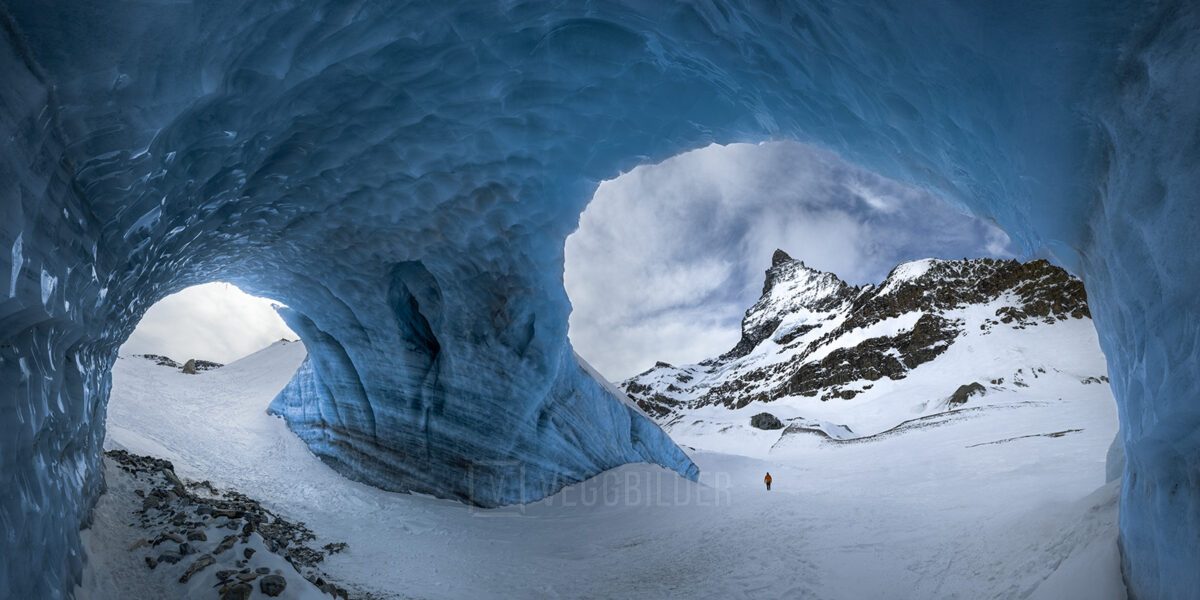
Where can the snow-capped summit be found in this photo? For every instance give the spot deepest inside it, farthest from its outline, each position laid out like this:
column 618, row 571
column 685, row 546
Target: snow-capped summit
column 885, row 353
column 790, row 288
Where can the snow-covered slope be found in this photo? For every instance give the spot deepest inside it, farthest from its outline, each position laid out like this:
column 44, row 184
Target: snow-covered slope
column 847, row 362
column 991, row 507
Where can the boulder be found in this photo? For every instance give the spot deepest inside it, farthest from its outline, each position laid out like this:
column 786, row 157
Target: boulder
column 766, row 421
column 964, row 392
column 272, row 585
column 189, row 367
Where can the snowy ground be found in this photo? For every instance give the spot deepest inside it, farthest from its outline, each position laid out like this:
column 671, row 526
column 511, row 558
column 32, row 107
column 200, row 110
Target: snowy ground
column 929, row 513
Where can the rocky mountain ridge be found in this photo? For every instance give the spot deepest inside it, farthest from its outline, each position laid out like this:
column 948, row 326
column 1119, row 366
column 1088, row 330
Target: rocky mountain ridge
column 812, row 335
column 191, row 366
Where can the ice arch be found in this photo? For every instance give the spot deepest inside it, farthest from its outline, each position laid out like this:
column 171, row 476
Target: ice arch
column 403, row 176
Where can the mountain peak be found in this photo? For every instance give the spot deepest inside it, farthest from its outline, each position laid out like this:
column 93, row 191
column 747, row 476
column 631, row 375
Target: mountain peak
column 780, row 257
column 812, row 335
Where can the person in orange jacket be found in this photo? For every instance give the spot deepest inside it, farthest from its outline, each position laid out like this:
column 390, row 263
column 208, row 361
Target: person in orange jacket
column 767, row 480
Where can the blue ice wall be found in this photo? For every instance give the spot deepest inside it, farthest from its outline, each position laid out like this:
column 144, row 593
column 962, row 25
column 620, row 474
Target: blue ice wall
column 403, row 176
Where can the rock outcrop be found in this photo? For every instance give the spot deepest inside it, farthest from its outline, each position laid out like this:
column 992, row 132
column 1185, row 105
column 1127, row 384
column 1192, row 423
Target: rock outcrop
column 765, row 421
column 964, row 393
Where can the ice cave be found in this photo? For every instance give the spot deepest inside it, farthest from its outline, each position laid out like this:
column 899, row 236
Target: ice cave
column 403, row 177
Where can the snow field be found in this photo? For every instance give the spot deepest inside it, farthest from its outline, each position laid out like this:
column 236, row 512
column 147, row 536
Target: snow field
column 916, row 515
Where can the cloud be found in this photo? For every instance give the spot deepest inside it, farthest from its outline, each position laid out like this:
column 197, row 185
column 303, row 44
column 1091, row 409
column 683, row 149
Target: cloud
column 213, row 321
column 668, row 257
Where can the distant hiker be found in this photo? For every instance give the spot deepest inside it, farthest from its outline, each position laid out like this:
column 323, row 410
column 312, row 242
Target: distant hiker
column 767, row 480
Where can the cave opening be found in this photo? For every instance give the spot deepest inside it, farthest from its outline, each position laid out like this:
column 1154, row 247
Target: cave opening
column 193, row 381
column 883, row 305
column 331, row 144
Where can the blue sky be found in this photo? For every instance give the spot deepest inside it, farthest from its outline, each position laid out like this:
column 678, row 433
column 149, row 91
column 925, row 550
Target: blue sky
column 668, row 257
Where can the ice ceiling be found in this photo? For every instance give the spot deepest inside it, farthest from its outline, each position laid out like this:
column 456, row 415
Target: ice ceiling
column 403, row 176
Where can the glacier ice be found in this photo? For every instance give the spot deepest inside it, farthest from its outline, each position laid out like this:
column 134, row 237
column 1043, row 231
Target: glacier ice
column 403, row 175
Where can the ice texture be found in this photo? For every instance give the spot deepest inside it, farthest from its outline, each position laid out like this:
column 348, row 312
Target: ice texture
column 403, row 175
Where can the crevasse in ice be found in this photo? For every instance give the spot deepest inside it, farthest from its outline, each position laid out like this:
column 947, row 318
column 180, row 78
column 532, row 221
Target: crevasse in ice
column 403, row 177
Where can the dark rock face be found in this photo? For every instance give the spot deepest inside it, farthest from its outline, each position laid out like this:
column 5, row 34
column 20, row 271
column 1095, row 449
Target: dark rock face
column 766, row 421
column 871, row 360
column 964, row 392
column 808, row 315
column 159, row 360
column 189, row 367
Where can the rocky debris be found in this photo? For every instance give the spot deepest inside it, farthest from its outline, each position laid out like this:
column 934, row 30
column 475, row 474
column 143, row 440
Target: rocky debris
column 272, row 585
column 766, row 421
column 159, row 360
column 327, row 587
column 205, row 365
column 964, row 392
column 178, row 514
column 191, row 367
column 205, row 561
column 1092, row 380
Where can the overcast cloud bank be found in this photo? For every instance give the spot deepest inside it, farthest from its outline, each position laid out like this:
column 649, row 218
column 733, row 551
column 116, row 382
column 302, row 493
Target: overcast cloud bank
column 213, row 321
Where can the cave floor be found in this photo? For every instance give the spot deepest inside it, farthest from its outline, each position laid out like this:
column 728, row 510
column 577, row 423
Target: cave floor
column 918, row 515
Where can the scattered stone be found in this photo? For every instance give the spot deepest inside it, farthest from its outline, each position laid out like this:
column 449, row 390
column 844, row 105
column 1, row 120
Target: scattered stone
column 169, row 536
column 225, row 544
column 272, row 585
column 205, row 561
column 159, row 359
column 172, row 511
column 169, row 557
column 766, row 421
column 237, row 591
